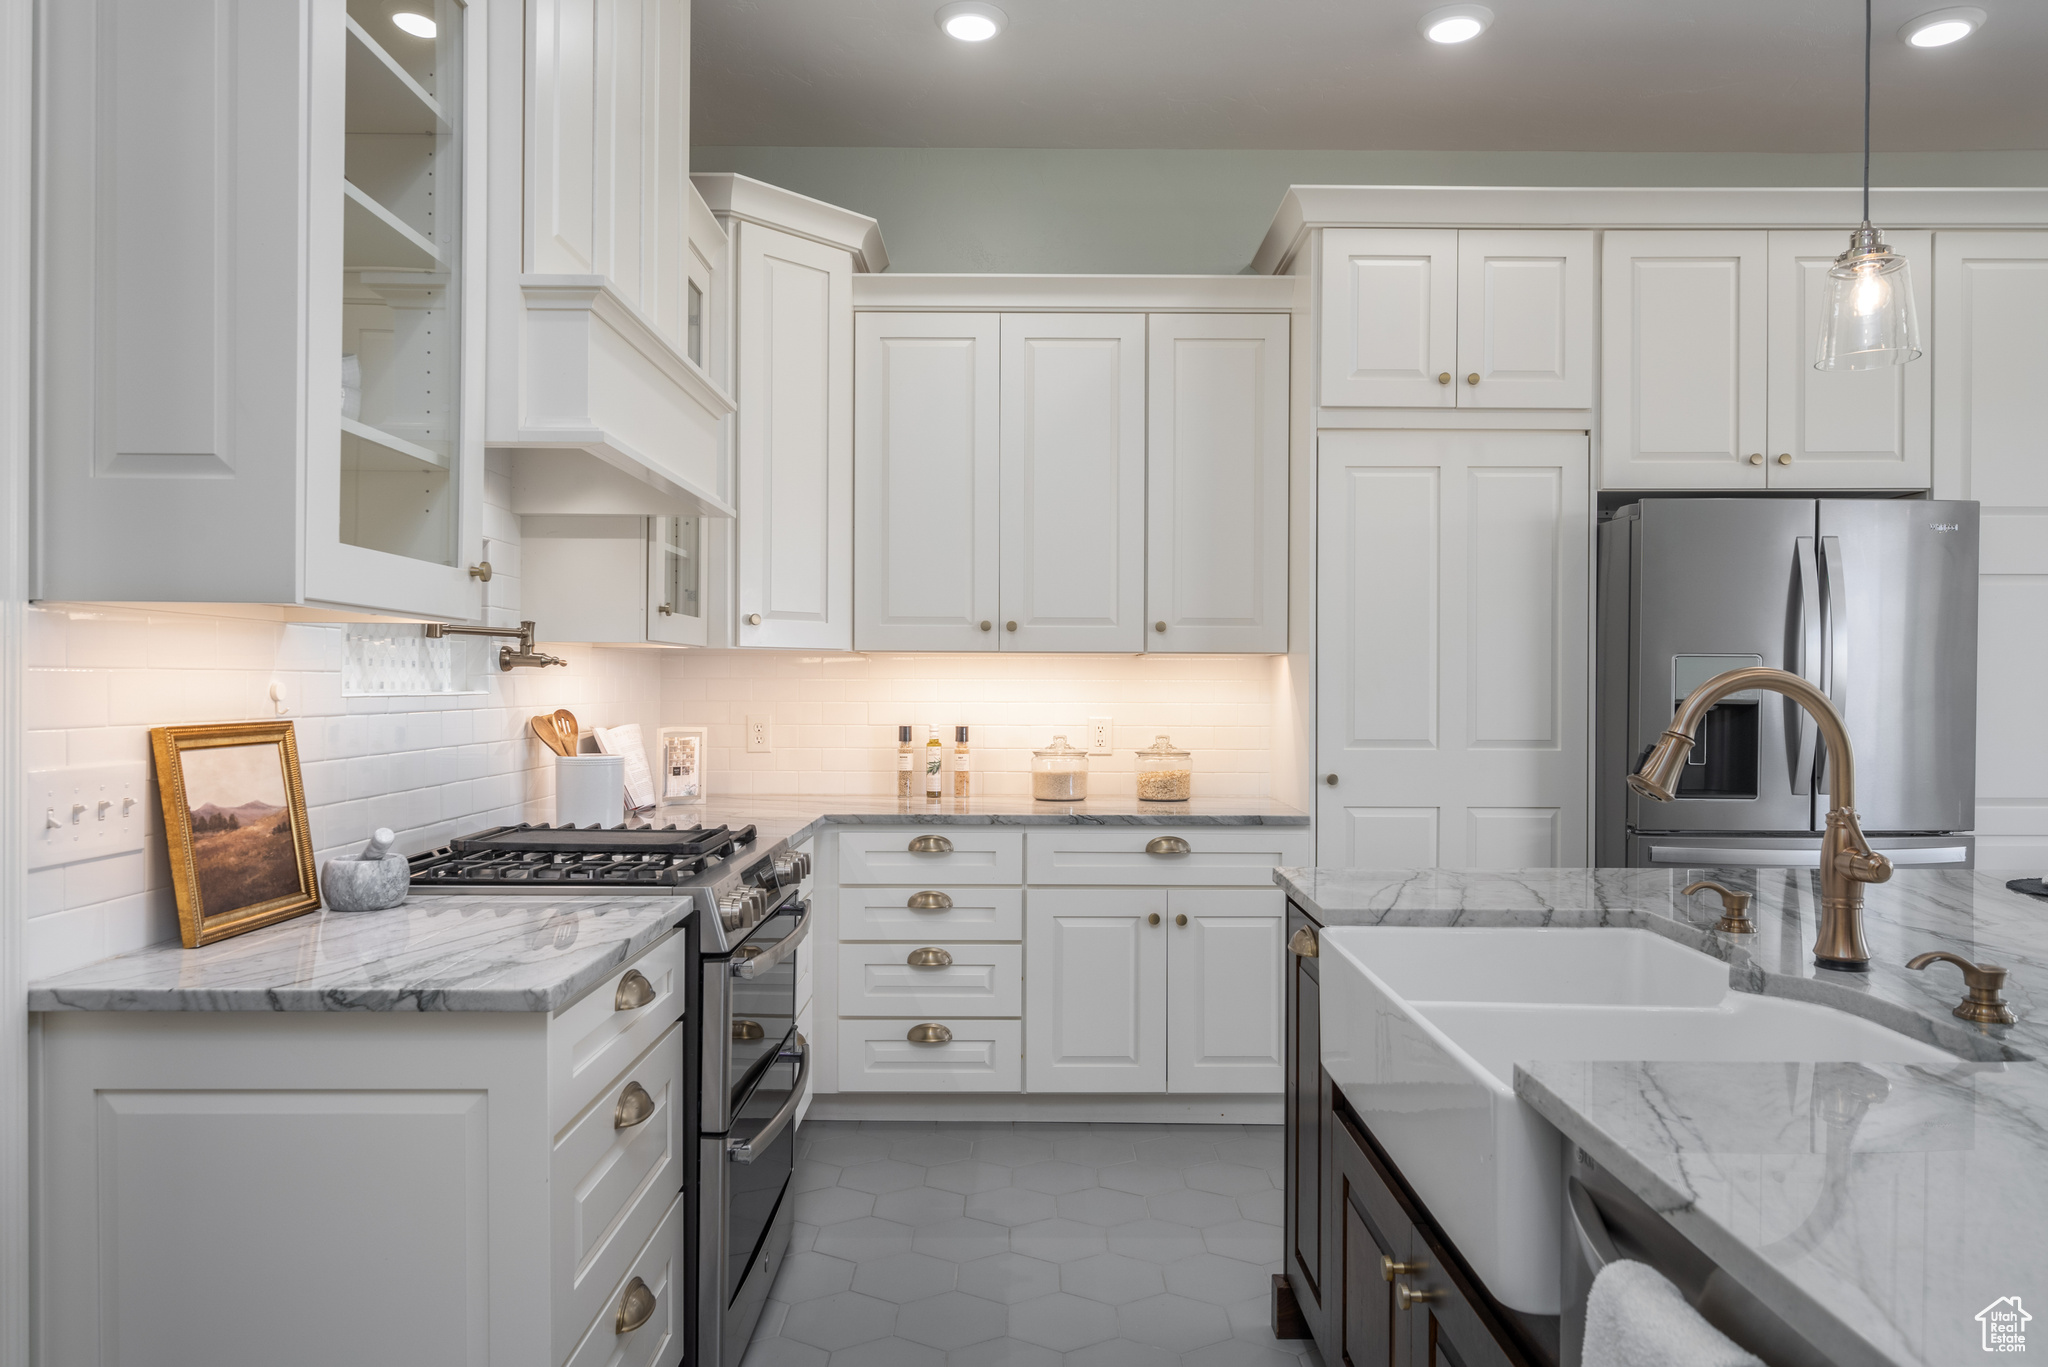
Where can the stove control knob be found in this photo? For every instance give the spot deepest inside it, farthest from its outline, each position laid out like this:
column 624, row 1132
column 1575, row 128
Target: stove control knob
column 732, row 913
column 803, row 864
column 788, row 868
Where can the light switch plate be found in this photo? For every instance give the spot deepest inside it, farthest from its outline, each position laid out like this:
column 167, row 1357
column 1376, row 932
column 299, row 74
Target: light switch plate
column 89, row 812
column 1098, row 735
column 757, row 734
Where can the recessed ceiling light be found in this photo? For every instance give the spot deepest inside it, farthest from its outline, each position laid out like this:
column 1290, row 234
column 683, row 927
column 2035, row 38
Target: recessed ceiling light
column 970, row 21
column 1943, row 26
column 418, row 25
column 1456, row 23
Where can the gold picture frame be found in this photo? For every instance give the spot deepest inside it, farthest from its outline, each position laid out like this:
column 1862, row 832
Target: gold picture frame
column 235, row 824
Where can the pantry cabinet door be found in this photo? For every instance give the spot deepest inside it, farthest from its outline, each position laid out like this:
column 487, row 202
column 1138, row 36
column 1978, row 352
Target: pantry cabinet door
column 1991, row 410
column 1216, row 483
column 1224, row 989
column 1844, row 429
column 1683, row 339
column 1525, row 320
column 1453, row 682
column 795, row 382
column 1073, row 482
column 1389, row 318
column 1095, row 990
column 926, row 476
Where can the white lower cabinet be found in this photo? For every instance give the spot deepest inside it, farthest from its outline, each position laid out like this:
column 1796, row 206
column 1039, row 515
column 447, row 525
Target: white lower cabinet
column 972, row 1056
column 931, row 979
column 401, row 1187
column 1095, row 1014
column 1224, row 960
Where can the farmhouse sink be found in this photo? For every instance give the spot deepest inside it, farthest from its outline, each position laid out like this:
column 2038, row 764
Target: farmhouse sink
column 1422, row 1028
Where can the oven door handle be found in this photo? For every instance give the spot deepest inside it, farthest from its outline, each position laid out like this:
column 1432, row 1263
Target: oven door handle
column 747, row 1150
column 754, row 965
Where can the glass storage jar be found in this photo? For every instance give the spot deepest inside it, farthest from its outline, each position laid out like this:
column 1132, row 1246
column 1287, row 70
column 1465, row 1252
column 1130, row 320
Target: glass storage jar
column 1164, row 773
column 1059, row 773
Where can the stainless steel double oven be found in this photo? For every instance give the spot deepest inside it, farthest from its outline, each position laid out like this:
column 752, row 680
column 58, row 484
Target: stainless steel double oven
column 749, row 1068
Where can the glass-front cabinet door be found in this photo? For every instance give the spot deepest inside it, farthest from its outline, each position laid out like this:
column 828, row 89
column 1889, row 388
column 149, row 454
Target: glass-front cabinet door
column 394, row 497
column 675, row 580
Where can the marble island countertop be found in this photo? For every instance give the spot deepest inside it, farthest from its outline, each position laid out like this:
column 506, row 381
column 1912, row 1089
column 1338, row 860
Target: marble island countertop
column 1877, row 1207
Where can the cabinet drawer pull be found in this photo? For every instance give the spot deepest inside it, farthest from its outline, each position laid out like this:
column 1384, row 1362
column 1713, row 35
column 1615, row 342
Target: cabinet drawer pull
column 1167, row 844
column 636, row 1307
column 929, row 957
column 1408, row 1300
column 1389, row 1269
column 634, row 991
column 929, row 901
column 744, row 1030
column 634, row 1107
column 929, row 1034
column 1303, row 943
column 931, row 844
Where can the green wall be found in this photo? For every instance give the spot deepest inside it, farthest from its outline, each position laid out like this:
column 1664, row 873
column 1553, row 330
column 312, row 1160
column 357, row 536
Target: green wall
column 1032, row 210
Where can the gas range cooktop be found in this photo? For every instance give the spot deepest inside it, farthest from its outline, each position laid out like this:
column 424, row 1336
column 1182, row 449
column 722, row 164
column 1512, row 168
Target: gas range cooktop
column 572, row 859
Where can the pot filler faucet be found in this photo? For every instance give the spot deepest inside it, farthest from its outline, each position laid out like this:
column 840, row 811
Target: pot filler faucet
column 1846, row 860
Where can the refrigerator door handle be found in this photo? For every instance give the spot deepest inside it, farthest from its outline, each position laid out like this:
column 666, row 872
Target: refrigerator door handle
column 1808, row 665
column 1835, row 662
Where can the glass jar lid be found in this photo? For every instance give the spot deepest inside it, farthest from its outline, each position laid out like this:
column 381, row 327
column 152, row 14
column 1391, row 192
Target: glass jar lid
column 1162, row 748
column 1059, row 749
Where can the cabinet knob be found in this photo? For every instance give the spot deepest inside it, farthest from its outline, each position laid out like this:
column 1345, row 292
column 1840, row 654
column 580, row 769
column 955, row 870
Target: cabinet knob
column 1180, row 918
column 1784, row 458
column 1304, row 945
column 986, row 625
column 1330, row 779
column 1009, row 626
column 1389, row 1269
column 753, row 619
column 1152, row 919
column 636, row 1307
column 481, row 571
column 931, row 844
column 1473, row 378
column 634, row 991
column 666, row 609
column 1406, row 1299
column 929, row 901
column 929, row 1033
column 1444, row 378
column 929, row 957
column 1167, row 844
column 1159, row 626
column 1756, row 458
column 634, row 1107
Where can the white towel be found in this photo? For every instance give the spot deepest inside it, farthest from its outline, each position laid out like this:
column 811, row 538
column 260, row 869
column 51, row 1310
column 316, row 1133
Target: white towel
column 1636, row 1318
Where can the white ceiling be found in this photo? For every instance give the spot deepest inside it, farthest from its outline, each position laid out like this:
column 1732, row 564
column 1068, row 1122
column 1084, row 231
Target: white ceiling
column 1551, row 75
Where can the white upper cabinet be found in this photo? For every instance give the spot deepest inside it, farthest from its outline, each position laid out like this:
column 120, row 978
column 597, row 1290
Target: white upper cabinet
column 1444, row 318
column 1525, row 320
column 1073, row 481
column 260, row 318
column 794, row 378
column 1843, row 429
column 1683, row 342
column 927, row 407
column 1390, row 318
column 1991, row 407
column 1216, row 483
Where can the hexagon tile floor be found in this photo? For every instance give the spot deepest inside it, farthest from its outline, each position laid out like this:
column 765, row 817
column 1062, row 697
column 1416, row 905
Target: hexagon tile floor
column 973, row 1245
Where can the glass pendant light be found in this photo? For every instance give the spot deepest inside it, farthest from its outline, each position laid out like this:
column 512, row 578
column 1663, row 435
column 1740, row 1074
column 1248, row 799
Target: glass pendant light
column 1867, row 318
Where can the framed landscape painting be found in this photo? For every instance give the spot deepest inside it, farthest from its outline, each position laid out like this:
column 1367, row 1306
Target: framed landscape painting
column 235, row 823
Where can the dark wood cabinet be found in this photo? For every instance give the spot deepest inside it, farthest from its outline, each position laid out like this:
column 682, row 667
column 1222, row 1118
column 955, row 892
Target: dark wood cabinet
column 1307, row 1105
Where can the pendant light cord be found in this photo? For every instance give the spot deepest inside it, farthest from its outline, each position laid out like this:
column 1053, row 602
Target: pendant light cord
column 1866, row 111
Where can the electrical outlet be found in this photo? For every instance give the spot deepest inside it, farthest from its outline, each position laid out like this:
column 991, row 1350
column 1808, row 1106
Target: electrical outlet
column 1098, row 735
column 757, row 735
column 88, row 812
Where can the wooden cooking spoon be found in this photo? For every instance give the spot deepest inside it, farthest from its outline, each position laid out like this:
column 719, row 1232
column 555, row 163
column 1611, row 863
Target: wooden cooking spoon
column 566, row 728
column 544, row 727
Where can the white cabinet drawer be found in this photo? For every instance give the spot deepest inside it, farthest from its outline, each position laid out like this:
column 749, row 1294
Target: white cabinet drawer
column 610, row 1184
column 658, row 1339
column 593, row 1037
column 982, row 1056
column 948, row 912
column 1217, row 856
column 950, row 854
column 981, row 980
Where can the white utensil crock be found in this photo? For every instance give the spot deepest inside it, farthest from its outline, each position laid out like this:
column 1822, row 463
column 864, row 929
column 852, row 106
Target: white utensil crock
column 590, row 790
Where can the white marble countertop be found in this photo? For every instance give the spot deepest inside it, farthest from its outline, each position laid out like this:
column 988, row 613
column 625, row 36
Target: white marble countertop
column 795, row 818
column 1878, row 1208
column 445, row 952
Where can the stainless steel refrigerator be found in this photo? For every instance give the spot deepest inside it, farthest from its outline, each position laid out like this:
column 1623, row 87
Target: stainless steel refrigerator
column 1874, row 600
